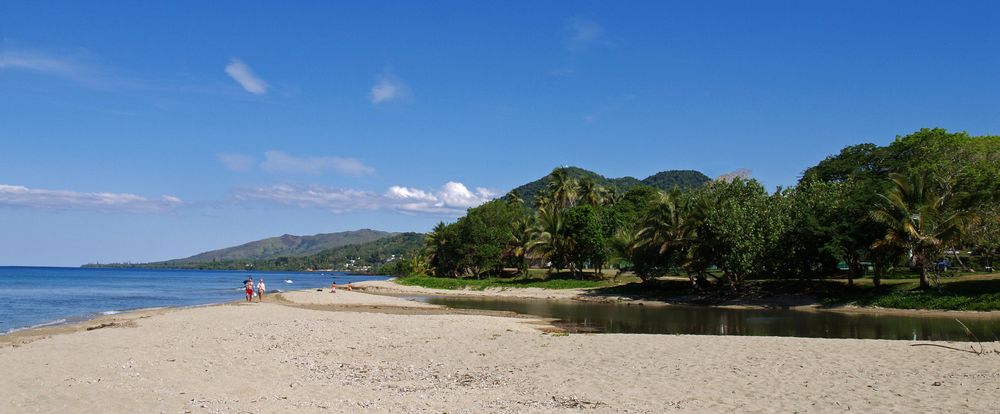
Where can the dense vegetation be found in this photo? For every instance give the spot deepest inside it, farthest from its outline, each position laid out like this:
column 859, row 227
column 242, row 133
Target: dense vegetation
column 367, row 257
column 877, row 211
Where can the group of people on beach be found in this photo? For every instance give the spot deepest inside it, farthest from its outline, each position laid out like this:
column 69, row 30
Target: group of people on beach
column 248, row 285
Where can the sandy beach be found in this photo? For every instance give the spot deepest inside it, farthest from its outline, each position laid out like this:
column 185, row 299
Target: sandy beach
column 314, row 351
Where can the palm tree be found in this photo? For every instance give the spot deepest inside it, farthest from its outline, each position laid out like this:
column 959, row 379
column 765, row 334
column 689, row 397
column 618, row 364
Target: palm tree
column 562, row 188
column 919, row 220
column 620, row 248
column 434, row 243
column 518, row 246
column 514, row 198
column 612, row 196
column 590, row 192
column 548, row 236
column 671, row 226
column 542, row 200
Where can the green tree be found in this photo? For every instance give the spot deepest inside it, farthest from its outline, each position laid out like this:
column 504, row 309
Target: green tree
column 670, row 228
column 919, row 220
column 562, row 188
column 583, row 227
column 548, row 237
column 591, row 193
column 738, row 229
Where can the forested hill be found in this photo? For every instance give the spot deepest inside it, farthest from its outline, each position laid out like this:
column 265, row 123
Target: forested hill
column 664, row 180
column 365, row 257
column 286, row 246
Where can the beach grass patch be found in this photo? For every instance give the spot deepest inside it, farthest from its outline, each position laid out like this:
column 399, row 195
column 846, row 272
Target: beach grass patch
column 482, row 284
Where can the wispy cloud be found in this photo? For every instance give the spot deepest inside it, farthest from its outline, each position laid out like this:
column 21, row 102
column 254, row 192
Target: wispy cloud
column 236, row 162
column 389, row 88
column 243, row 75
column 313, row 196
column 562, row 72
column 581, row 34
column 78, row 68
column 452, row 199
column 39, row 63
column 279, row 161
column 20, row 196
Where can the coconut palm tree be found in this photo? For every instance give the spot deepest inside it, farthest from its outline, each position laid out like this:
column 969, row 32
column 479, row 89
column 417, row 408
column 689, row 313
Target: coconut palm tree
column 620, row 248
column 590, row 192
column 562, row 188
column 514, row 198
column 612, row 195
column 919, row 220
column 542, row 200
column 548, row 237
column 671, row 226
column 433, row 241
column 518, row 246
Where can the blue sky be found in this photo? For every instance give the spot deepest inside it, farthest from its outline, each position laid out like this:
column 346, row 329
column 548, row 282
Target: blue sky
column 139, row 131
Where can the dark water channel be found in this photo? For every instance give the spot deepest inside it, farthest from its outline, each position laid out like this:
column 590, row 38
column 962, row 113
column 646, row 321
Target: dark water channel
column 700, row 320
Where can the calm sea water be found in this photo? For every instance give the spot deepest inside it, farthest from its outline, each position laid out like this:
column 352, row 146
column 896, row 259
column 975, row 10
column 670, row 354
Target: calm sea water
column 38, row 296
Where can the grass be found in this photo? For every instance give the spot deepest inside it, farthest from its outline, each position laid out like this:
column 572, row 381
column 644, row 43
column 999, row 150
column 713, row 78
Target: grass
column 516, row 282
column 969, row 292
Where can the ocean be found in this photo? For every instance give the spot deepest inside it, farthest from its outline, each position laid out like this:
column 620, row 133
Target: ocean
column 40, row 296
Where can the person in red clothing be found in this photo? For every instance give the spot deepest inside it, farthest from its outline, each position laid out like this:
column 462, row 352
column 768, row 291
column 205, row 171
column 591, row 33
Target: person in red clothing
column 248, row 284
column 333, row 287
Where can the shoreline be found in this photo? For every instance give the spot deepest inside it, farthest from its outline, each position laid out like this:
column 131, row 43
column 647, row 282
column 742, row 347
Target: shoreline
column 308, row 351
column 387, row 288
column 584, row 295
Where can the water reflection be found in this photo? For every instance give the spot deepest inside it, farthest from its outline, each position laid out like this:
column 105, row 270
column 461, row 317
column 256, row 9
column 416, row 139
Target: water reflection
column 696, row 320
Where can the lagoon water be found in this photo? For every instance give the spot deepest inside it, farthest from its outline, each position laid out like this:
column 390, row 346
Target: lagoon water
column 38, row 296
column 704, row 320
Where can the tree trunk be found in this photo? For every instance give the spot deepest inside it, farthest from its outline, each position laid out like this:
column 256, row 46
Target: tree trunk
column 924, row 282
column 694, row 281
column 733, row 281
column 959, row 260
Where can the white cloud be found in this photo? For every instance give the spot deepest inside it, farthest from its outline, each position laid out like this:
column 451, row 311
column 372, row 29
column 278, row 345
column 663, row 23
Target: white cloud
column 279, row 161
column 451, row 200
column 243, row 75
column 236, row 162
column 405, row 193
column 455, row 194
column 583, row 33
column 314, row 196
column 389, row 88
column 20, row 196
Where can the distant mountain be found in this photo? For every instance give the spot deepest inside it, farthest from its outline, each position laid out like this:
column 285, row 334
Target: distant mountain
column 286, row 246
column 664, row 180
column 684, row 179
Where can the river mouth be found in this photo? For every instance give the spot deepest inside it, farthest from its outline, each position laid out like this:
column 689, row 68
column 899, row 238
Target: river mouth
column 612, row 318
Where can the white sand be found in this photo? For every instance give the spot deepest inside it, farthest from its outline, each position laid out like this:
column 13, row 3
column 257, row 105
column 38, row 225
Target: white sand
column 348, row 299
column 275, row 358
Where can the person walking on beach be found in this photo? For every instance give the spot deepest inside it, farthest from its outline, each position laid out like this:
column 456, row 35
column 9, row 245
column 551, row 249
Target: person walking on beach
column 260, row 290
column 248, row 284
